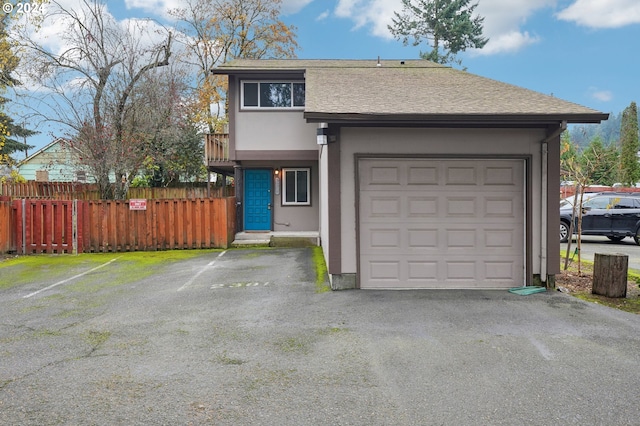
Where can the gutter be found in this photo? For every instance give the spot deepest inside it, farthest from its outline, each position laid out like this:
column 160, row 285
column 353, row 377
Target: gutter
column 480, row 119
column 544, row 199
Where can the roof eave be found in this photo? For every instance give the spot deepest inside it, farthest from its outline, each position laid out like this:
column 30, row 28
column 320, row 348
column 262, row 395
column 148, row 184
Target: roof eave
column 260, row 71
column 467, row 119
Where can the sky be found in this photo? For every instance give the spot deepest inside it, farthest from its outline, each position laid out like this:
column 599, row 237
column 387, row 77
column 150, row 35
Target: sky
column 582, row 51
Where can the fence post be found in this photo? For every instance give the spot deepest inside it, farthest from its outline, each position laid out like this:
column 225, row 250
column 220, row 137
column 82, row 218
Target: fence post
column 74, row 226
column 24, row 226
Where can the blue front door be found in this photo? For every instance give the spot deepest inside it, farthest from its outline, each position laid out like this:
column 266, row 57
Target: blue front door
column 257, row 200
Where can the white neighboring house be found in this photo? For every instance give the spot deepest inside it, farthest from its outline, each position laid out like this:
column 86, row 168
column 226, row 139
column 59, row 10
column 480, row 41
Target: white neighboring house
column 59, row 161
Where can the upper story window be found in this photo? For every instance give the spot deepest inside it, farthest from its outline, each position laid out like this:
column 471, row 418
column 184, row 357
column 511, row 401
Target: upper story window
column 272, row 94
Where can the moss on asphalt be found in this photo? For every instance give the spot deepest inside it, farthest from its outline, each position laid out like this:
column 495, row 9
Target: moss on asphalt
column 128, row 267
column 131, row 266
column 322, row 282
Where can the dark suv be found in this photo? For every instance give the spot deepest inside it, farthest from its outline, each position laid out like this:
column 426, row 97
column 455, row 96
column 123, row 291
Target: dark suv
column 614, row 215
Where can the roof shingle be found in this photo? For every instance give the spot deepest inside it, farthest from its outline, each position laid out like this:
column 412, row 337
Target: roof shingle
column 419, row 89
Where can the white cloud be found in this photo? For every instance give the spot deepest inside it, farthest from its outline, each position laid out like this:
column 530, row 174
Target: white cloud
column 324, row 15
column 152, row 5
column 162, row 7
column 374, row 13
column 503, row 21
column 507, row 42
column 602, row 14
column 600, row 95
column 54, row 34
column 51, row 32
column 293, row 6
column 155, row 7
column 146, row 30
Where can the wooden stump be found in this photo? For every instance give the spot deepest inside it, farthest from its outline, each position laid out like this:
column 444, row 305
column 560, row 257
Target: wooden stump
column 610, row 274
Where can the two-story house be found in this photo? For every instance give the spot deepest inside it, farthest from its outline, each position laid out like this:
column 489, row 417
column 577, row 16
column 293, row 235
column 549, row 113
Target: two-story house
column 414, row 174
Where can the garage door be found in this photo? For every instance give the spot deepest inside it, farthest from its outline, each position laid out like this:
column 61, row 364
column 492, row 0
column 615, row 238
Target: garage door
column 441, row 223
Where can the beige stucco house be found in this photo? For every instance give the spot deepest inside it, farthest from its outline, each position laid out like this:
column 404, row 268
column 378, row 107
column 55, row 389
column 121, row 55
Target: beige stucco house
column 413, row 174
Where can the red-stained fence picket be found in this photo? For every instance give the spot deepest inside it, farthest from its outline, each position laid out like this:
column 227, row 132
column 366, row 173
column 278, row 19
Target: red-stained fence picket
column 6, row 226
column 164, row 225
column 46, row 226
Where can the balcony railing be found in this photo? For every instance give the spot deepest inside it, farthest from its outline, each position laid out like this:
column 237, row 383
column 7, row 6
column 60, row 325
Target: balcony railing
column 216, row 147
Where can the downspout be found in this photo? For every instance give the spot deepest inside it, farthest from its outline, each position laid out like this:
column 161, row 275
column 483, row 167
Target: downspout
column 544, row 200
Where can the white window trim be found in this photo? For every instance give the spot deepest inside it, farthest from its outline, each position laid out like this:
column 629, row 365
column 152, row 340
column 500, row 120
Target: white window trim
column 259, row 108
column 284, row 186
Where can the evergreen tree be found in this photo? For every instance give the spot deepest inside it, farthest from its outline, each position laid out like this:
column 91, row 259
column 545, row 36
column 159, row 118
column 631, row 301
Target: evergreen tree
column 9, row 130
column 608, row 130
column 601, row 162
column 629, row 144
column 447, row 26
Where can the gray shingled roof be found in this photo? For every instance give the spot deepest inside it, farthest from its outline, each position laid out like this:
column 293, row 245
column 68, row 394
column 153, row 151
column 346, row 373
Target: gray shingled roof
column 413, row 90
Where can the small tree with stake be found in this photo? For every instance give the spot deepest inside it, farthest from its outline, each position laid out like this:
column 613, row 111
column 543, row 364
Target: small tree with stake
column 580, row 169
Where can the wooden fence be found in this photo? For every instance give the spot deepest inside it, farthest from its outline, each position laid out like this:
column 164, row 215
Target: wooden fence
column 163, row 193
column 46, row 226
column 165, row 224
column 569, row 191
column 84, row 191
column 7, row 243
column 49, row 190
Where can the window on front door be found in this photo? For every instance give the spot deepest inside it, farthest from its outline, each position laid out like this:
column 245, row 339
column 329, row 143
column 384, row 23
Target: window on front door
column 296, row 187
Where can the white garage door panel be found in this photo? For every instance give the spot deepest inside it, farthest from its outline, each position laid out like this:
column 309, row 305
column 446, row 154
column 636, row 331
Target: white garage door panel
column 441, row 223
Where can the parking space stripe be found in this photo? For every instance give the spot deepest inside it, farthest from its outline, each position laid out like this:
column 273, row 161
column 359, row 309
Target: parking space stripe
column 201, row 271
column 69, row 279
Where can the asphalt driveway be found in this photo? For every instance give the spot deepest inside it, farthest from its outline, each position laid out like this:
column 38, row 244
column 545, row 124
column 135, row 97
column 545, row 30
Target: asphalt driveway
column 245, row 338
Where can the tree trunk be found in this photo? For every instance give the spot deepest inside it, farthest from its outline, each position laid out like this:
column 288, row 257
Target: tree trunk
column 610, row 275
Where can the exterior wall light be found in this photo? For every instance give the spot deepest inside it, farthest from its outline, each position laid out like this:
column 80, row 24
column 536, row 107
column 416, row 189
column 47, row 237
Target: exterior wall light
column 322, row 135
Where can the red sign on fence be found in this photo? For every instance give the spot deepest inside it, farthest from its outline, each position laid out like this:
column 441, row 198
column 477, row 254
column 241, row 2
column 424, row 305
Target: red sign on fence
column 137, row 204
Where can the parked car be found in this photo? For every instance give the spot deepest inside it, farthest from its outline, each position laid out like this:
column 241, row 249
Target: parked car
column 614, row 215
column 566, row 203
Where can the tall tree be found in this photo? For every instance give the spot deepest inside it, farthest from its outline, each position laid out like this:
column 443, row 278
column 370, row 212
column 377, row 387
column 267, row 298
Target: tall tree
column 601, row 162
column 222, row 30
column 629, row 144
column 9, row 130
column 173, row 149
column 92, row 83
column 447, row 26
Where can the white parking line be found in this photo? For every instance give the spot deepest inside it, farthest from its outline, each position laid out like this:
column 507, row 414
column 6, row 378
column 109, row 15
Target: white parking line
column 70, row 279
column 201, row 271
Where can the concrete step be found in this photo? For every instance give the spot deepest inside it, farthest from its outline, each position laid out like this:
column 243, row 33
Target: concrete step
column 244, row 239
column 275, row 239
